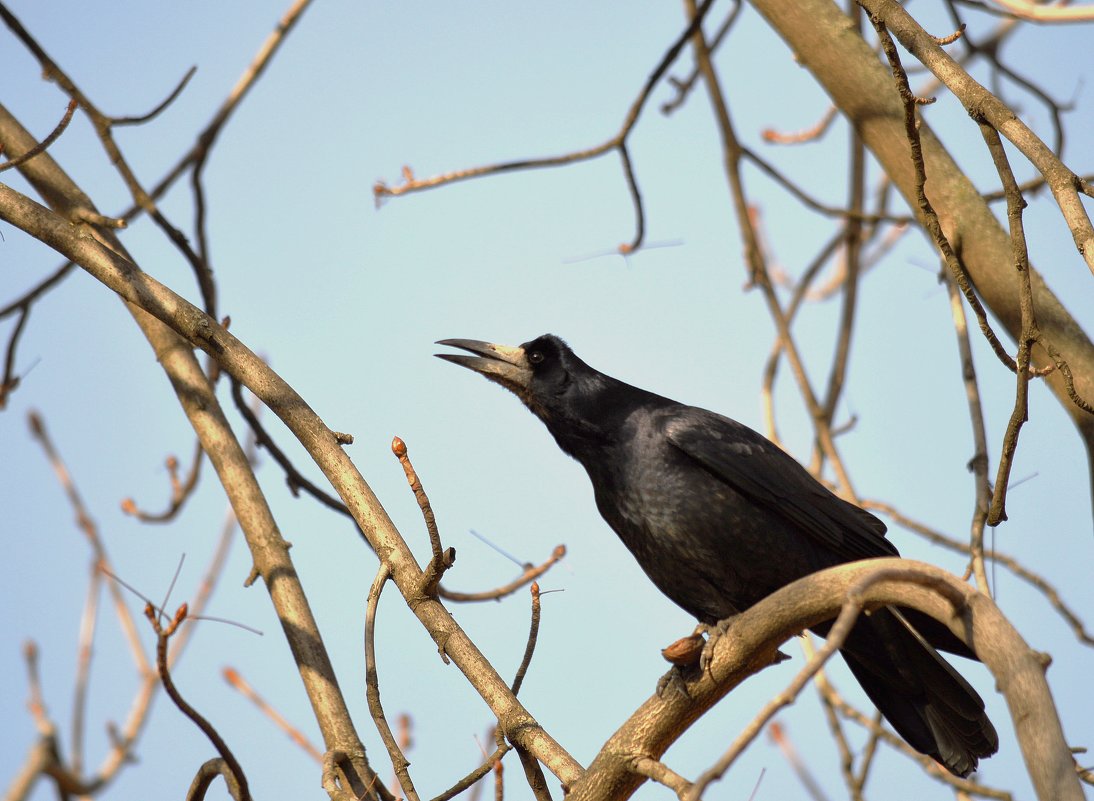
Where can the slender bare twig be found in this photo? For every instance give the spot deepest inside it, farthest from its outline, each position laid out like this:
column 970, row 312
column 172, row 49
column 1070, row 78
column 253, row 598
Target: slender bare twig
column 683, row 86
column 36, row 292
column 979, row 461
column 241, row 685
column 88, row 527
column 530, row 574
column 151, row 115
column 1030, row 333
column 835, row 727
column 732, row 151
column 45, row 143
column 490, row 763
column 810, row 134
column 372, row 687
column 1009, row 562
column 163, row 634
column 853, row 238
column 800, row 291
column 617, row 142
column 205, row 775
column 84, row 652
column 533, row 635
column 880, row 733
column 852, row 213
column 658, row 771
column 294, row 478
column 442, row 559
column 181, row 490
column 533, row 775
column 790, row 753
column 10, row 381
column 869, row 751
column 930, row 218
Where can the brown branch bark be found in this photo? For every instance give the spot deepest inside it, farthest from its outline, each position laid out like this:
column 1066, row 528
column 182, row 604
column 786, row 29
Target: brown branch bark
column 156, row 302
column 755, row 635
column 824, row 40
column 268, row 548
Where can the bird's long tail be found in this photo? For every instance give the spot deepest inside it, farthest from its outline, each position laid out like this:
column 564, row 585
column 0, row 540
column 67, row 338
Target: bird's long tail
column 928, row 703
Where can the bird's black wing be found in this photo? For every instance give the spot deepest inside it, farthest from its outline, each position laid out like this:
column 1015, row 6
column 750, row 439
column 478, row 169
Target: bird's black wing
column 759, row 470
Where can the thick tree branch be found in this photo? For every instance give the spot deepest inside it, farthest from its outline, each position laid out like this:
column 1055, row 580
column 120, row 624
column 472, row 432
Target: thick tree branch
column 199, row 330
column 825, row 41
column 268, row 548
column 755, row 635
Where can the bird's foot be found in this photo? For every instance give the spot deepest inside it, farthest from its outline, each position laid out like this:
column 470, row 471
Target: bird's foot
column 713, row 634
column 673, row 682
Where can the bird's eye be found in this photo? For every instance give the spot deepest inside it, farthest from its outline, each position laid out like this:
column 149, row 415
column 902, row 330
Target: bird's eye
column 535, row 357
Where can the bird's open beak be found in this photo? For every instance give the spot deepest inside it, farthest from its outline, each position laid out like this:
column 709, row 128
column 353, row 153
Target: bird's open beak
column 503, row 364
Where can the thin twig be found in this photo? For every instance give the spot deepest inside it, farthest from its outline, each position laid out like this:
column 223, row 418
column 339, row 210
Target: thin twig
column 84, row 652
column 853, row 239
column 533, row 634
column 476, row 775
column 810, row 134
column 372, row 687
column 238, row 683
column 617, row 142
column 91, row 532
column 928, row 764
column 822, row 208
column 754, row 257
column 801, row 770
column 658, row 771
column 979, row 462
column 10, row 382
column 180, row 490
column 771, row 367
column 163, row 634
column 683, row 86
column 1009, row 562
column 45, row 143
column 533, row 774
column 929, row 216
column 530, row 574
column 442, row 559
column 161, row 107
column 1030, row 332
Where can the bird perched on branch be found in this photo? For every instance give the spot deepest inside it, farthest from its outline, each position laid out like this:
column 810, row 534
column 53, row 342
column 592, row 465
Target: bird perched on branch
column 719, row 517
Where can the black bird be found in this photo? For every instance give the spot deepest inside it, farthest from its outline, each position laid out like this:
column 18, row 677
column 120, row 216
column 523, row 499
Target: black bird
column 719, row 517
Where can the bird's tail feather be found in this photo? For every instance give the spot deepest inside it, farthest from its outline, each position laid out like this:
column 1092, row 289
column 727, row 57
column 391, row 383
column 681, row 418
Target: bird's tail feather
column 928, row 702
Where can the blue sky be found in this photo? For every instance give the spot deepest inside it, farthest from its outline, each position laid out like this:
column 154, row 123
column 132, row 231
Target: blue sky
column 346, row 300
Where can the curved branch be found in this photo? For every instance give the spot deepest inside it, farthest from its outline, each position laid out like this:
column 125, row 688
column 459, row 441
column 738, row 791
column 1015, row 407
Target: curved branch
column 325, row 448
column 756, row 634
column 268, row 549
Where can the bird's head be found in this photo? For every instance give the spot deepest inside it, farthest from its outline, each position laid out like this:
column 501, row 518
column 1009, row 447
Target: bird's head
column 540, row 372
column 582, row 408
